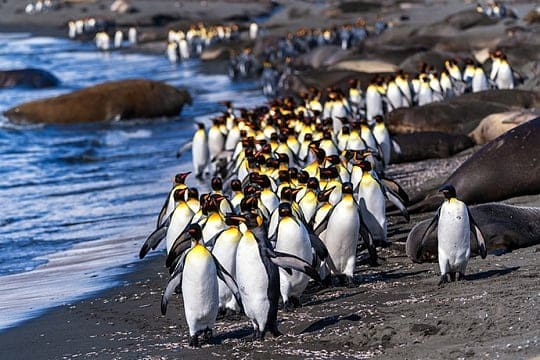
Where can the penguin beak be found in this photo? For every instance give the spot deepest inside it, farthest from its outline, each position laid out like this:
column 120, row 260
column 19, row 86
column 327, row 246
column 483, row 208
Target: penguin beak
column 240, row 218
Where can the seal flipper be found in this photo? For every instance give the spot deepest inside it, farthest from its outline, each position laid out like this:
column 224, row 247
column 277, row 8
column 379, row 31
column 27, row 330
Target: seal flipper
column 475, row 229
column 227, row 278
column 432, row 225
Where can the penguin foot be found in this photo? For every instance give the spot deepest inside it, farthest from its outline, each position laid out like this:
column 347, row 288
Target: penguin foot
column 443, row 280
column 342, row 280
column 460, row 276
column 207, row 335
column 275, row 331
column 222, row 312
column 327, row 281
column 288, row 306
column 295, row 301
column 257, row 335
column 194, row 341
column 350, row 283
column 452, row 276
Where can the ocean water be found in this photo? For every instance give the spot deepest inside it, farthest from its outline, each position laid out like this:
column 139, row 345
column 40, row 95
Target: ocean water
column 78, row 201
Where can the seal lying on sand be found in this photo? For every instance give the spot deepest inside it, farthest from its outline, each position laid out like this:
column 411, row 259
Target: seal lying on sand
column 28, row 78
column 427, row 145
column 497, row 124
column 459, row 115
column 505, row 228
column 117, row 100
column 506, row 167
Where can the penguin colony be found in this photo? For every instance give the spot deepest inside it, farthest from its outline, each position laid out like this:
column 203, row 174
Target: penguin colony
column 183, row 45
column 298, row 190
column 346, row 36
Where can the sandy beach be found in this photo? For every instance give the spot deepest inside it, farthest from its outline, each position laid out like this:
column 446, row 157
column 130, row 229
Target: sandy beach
column 397, row 311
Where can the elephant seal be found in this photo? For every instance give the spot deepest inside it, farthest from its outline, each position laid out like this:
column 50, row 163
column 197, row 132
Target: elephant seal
column 459, row 115
column 506, row 167
column 427, row 145
column 505, row 228
column 497, row 124
column 28, row 78
column 117, row 100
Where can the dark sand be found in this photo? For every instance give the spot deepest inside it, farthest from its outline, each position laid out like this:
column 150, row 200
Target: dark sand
column 397, row 311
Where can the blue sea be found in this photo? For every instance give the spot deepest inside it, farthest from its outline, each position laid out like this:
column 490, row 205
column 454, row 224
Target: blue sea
column 77, row 201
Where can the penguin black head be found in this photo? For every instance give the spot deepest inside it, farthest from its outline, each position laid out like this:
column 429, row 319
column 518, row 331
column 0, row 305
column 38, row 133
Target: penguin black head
column 303, row 177
column 284, row 176
column 345, row 130
column 181, row 177
column 293, row 173
column 347, row 188
column 236, row 185
column 179, row 194
column 217, row 183
column 285, row 209
column 379, row 119
column 283, row 158
column 193, row 193
column 195, row 232
column 334, row 159
column 365, row 165
column 448, row 191
column 313, row 183
column 324, row 195
column 201, row 126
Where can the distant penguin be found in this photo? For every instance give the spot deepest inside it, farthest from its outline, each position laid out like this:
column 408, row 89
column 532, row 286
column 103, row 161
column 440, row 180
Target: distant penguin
column 425, row 93
column 381, row 134
column 200, row 151
column 253, row 31
column 72, row 30
column 197, row 273
column 374, row 103
column 183, row 49
column 118, row 39
column 504, row 78
column 132, row 36
column 180, row 219
column 455, row 225
column 394, row 96
column 479, row 80
column 172, row 52
column 372, row 203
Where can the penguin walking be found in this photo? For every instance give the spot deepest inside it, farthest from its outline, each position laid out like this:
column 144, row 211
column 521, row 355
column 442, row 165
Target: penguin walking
column 224, row 251
column 454, row 227
column 257, row 274
column 292, row 237
column 200, row 151
column 197, row 273
column 372, row 203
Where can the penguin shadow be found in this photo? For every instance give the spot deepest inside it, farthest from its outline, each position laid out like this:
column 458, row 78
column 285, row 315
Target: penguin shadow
column 490, row 273
column 391, row 274
column 329, row 321
column 238, row 334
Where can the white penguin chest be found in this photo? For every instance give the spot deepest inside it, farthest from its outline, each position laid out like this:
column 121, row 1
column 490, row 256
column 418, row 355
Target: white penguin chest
column 453, row 229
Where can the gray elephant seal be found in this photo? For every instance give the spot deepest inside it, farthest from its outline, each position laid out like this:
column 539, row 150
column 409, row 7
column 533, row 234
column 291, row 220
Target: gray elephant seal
column 506, row 167
column 459, row 115
column 505, row 228
column 28, row 78
column 434, row 145
column 117, row 100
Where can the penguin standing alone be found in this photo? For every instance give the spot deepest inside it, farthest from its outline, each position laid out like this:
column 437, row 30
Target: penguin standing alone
column 455, row 224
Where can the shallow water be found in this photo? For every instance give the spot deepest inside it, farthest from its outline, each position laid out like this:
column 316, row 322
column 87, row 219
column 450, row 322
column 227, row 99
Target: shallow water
column 77, row 201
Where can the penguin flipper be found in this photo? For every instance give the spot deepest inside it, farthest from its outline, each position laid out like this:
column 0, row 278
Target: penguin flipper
column 154, row 239
column 395, row 199
column 432, row 225
column 475, row 229
column 324, row 223
column 396, row 147
column 185, row 147
column 181, row 244
column 289, row 261
column 367, row 237
column 227, row 278
column 163, row 210
column 394, row 186
column 175, row 281
column 322, row 252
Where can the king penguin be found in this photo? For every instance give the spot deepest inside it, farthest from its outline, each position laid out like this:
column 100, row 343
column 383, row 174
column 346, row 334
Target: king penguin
column 200, row 151
column 197, row 273
column 455, row 225
column 292, row 237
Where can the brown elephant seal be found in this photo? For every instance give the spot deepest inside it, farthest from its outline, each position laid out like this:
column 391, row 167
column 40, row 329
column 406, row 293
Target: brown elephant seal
column 495, row 125
column 28, row 78
column 505, row 228
column 427, row 145
column 117, row 100
column 459, row 115
column 506, row 167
